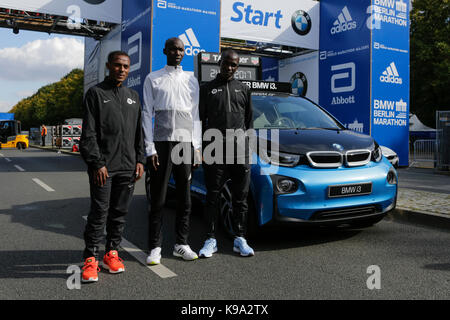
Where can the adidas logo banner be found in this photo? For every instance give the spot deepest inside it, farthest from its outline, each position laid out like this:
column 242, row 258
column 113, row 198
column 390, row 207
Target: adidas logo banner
column 391, row 75
column 191, row 44
column 344, row 22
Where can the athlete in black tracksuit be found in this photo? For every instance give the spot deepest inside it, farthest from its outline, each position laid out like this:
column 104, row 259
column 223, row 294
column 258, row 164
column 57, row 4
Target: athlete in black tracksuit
column 225, row 103
column 111, row 139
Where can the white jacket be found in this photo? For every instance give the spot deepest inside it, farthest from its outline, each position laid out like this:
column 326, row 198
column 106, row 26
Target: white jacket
column 171, row 96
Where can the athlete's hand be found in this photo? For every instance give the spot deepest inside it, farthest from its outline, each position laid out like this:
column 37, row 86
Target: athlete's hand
column 100, row 176
column 139, row 171
column 153, row 161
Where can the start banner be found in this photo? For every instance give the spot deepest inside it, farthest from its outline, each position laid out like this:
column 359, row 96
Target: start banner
column 291, row 23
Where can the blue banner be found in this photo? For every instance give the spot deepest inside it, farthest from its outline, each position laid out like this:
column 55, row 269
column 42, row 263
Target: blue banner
column 136, row 40
column 196, row 23
column 344, row 62
column 390, row 75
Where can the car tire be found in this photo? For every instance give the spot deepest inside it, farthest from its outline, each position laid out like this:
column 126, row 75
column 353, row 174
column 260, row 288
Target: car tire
column 225, row 207
column 20, row 146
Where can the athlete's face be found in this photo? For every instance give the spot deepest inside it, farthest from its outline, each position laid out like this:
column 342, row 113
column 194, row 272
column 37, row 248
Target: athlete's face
column 229, row 65
column 174, row 51
column 119, row 68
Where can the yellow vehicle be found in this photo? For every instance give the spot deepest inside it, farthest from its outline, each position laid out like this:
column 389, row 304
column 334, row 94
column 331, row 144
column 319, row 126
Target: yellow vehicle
column 10, row 135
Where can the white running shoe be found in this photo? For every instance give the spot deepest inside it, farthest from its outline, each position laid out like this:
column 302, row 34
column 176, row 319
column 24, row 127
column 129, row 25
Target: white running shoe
column 154, row 257
column 209, row 248
column 185, row 252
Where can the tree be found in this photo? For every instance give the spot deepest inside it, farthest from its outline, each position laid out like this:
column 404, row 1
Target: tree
column 54, row 103
column 430, row 59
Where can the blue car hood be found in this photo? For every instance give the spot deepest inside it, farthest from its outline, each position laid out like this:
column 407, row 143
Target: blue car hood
column 303, row 141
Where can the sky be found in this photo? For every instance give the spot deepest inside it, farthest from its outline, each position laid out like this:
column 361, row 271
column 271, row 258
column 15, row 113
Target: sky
column 30, row 60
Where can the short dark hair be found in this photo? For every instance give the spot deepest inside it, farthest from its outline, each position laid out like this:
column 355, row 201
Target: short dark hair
column 113, row 54
column 170, row 41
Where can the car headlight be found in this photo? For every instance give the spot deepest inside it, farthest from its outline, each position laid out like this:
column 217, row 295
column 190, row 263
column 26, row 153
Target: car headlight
column 391, row 177
column 284, row 159
column 377, row 155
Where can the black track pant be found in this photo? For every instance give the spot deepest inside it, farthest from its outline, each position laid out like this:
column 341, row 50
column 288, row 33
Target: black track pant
column 156, row 182
column 109, row 205
column 215, row 177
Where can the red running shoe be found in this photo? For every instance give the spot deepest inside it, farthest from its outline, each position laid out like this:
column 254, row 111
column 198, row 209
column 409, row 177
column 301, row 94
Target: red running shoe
column 90, row 270
column 113, row 263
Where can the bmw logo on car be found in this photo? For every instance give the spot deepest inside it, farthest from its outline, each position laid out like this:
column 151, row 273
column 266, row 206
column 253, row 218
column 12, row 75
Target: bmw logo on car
column 299, row 84
column 301, row 22
column 94, row 1
column 338, row 147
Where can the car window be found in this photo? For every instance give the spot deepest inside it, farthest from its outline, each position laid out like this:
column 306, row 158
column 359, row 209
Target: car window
column 289, row 112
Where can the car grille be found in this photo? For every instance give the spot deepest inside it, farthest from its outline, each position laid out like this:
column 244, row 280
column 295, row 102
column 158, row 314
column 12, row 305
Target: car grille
column 325, row 159
column 335, row 159
column 343, row 213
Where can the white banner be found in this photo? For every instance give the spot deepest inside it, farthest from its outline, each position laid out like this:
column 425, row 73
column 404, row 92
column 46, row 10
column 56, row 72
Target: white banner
column 100, row 10
column 303, row 73
column 285, row 22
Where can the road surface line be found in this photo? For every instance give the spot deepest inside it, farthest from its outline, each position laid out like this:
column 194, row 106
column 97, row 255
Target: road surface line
column 1, row 155
column 161, row 270
column 8, row 159
column 43, row 185
column 19, row 168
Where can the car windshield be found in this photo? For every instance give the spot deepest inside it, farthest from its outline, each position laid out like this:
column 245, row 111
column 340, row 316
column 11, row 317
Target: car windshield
column 289, row 112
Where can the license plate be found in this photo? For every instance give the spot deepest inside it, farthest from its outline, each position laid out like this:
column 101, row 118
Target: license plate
column 346, row 190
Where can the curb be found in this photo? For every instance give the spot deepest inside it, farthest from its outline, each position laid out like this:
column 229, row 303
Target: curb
column 55, row 150
column 423, row 218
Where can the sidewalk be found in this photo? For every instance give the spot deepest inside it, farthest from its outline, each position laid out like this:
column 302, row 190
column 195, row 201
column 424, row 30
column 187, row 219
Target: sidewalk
column 412, row 197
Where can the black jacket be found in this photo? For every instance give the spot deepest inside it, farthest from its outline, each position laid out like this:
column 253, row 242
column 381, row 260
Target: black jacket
column 112, row 130
column 225, row 105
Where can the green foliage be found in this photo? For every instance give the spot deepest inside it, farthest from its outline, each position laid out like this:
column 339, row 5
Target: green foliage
column 430, row 58
column 53, row 103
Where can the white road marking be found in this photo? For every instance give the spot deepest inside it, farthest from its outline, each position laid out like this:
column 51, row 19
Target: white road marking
column 161, row 270
column 19, row 168
column 1, row 155
column 43, row 185
column 8, row 159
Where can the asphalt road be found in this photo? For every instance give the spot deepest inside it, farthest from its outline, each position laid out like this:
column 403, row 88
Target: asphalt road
column 41, row 237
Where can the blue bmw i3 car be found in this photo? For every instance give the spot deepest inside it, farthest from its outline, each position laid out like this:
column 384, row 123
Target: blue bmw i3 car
column 323, row 174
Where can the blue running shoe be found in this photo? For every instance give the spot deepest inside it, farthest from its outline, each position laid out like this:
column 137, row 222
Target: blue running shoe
column 209, row 248
column 241, row 246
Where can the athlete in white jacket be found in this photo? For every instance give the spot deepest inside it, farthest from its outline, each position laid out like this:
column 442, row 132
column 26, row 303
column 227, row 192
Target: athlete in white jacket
column 171, row 96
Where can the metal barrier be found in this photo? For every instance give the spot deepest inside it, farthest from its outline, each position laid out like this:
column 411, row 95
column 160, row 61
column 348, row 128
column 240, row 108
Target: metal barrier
column 424, row 150
column 443, row 140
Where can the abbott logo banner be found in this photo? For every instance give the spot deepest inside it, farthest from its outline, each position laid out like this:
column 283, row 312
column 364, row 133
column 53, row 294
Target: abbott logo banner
column 350, row 74
column 293, row 23
column 100, row 10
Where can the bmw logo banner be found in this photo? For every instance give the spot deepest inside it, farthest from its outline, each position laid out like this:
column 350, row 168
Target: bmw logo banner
column 291, row 23
column 99, row 10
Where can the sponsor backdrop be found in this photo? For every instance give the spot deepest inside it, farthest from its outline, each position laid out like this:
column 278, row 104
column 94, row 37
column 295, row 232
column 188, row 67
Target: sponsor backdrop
column 292, row 23
column 390, row 75
column 364, row 68
column 136, row 41
column 344, row 62
column 196, row 23
column 303, row 74
column 101, row 10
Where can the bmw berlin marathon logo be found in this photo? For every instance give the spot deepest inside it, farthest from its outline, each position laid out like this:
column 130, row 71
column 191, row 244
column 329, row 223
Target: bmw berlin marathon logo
column 301, row 22
column 299, row 84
